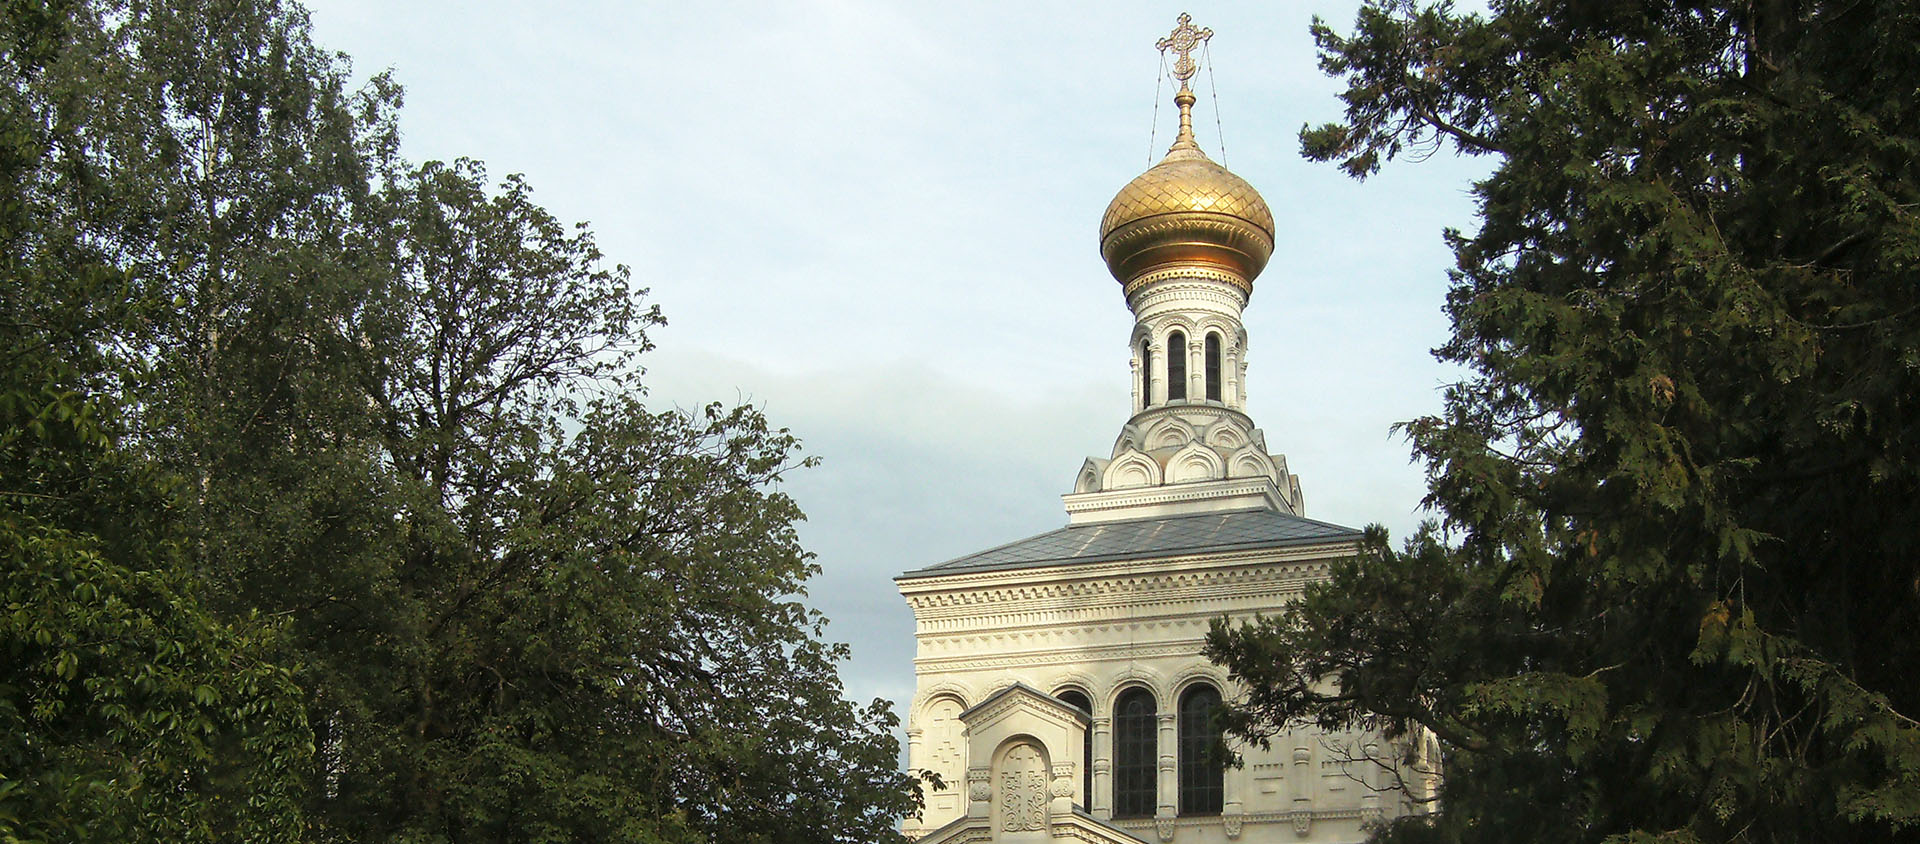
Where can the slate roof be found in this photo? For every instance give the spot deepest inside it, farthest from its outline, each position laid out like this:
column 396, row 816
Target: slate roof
column 1144, row 538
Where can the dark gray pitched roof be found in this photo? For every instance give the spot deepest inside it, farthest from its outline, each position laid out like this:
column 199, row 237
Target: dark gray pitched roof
column 1142, row 538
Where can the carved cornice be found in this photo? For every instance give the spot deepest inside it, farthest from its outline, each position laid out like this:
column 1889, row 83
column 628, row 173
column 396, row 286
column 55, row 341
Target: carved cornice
column 1105, row 653
column 1185, row 283
column 1189, row 412
column 1124, row 585
column 1281, row 816
column 1254, row 489
column 1078, row 640
column 1070, row 627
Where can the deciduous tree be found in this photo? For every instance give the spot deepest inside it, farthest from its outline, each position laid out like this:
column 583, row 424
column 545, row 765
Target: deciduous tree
column 403, row 554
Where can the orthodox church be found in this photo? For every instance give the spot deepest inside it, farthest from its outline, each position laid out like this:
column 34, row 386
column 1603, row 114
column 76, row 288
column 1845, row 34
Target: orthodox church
column 1061, row 694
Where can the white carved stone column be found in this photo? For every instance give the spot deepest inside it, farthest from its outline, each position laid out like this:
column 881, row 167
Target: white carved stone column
column 1233, row 807
column 1196, row 369
column 1064, row 780
column 1230, row 370
column 1372, row 780
column 1139, row 401
column 1100, row 802
column 1157, row 391
column 1169, row 784
column 910, row 827
column 979, row 792
column 1243, row 384
column 1304, row 784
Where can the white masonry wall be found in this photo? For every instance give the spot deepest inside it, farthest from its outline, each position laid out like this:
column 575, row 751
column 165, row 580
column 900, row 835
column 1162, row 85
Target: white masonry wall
column 1102, row 628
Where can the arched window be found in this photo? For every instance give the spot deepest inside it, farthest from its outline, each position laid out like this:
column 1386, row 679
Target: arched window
column 1135, row 756
column 1079, row 699
column 1213, row 366
column 1146, row 374
column 1201, row 768
column 1176, row 366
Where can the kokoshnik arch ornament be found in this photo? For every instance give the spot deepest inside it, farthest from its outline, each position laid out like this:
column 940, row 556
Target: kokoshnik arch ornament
column 1061, row 692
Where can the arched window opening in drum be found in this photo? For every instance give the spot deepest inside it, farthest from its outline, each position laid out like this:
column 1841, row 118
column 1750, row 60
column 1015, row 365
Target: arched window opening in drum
column 1177, row 366
column 1146, row 374
column 1135, row 756
column 1213, row 366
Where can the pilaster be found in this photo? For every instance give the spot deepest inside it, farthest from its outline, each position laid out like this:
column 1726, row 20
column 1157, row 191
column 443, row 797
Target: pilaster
column 1169, row 783
column 1100, row 803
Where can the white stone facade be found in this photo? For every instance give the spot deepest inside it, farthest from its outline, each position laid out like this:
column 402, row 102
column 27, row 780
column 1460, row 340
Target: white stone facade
column 1101, row 629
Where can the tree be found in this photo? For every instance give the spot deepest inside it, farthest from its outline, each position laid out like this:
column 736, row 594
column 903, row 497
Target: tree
column 1671, row 590
column 597, row 597
column 128, row 710
column 391, row 469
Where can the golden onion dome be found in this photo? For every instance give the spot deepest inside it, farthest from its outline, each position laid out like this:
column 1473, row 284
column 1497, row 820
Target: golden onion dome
column 1187, row 210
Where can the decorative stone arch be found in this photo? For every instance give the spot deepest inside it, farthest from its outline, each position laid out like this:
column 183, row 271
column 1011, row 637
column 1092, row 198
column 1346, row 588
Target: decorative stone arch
column 1022, row 778
column 926, row 697
column 1166, row 324
column 1250, row 462
column 1213, row 359
column 941, row 737
column 1090, row 473
column 1168, row 431
column 1182, row 324
column 1010, row 742
column 1228, row 434
column 1134, row 675
column 1129, row 439
column 1142, row 333
column 1178, row 379
column 1196, row 462
column 1077, row 680
column 1200, row 673
column 1225, row 327
column 1132, row 469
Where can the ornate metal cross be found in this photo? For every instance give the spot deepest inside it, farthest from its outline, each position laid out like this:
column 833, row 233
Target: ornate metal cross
column 1181, row 41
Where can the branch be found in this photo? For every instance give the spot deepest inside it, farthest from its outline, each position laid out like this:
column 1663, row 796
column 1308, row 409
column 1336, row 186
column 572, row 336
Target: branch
column 1464, row 137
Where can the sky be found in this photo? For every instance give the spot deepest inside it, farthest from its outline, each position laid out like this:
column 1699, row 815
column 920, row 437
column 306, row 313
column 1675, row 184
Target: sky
column 879, row 223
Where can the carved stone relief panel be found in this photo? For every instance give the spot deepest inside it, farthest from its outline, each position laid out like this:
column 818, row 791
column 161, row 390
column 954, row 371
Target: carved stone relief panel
column 1023, row 790
column 946, row 750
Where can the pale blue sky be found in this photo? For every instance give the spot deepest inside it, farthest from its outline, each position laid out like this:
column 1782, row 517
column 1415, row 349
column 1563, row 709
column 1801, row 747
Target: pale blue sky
column 879, row 221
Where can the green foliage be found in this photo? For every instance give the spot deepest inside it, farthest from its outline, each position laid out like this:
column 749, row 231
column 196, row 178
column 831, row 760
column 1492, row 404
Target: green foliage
column 1670, row 593
column 128, row 711
column 358, row 529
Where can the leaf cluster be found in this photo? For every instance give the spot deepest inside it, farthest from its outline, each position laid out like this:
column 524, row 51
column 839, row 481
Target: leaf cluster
column 332, row 506
column 1666, row 596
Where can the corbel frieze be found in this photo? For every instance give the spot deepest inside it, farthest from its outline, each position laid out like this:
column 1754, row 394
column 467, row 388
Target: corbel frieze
column 1121, row 584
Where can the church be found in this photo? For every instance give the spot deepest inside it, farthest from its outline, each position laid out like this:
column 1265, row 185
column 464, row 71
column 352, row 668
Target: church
column 1060, row 690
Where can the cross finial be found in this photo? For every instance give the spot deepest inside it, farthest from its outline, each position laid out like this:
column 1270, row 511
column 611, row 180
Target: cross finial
column 1181, row 41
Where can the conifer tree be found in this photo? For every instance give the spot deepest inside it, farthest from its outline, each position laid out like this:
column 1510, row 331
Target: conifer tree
column 1671, row 590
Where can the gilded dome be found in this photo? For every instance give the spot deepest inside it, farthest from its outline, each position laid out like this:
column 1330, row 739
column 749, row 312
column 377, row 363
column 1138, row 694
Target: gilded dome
column 1187, row 209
